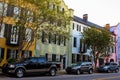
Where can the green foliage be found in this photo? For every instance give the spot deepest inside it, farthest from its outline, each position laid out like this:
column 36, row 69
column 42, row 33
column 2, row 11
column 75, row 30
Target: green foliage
column 98, row 39
column 1, row 59
column 11, row 60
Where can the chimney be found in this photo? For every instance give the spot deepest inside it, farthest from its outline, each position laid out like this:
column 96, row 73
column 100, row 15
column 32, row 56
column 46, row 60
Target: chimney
column 85, row 17
column 107, row 26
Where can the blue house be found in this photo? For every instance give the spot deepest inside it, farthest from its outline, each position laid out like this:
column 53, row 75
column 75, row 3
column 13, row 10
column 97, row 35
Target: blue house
column 80, row 52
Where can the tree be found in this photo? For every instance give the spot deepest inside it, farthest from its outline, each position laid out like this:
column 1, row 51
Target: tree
column 33, row 16
column 98, row 39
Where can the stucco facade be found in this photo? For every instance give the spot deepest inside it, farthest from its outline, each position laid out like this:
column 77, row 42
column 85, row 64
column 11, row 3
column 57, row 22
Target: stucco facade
column 10, row 34
column 116, row 30
column 56, row 51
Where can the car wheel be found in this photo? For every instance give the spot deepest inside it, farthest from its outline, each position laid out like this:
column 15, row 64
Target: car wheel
column 90, row 71
column 68, row 72
column 52, row 72
column 108, row 70
column 19, row 73
column 78, row 72
column 117, row 70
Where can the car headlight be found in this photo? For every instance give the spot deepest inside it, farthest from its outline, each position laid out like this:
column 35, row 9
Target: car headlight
column 105, row 67
column 11, row 66
column 75, row 67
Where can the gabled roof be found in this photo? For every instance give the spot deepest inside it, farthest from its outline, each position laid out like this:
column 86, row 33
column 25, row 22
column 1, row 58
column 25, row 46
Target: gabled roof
column 80, row 20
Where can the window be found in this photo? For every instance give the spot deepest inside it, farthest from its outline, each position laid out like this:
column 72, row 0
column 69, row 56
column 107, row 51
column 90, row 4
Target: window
column 113, row 49
column 16, row 12
column 33, row 60
column 75, row 42
column 53, row 57
column 83, row 46
column 30, row 15
column 14, row 35
column 26, row 53
column 45, row 37
column 62, row 40
column 57, row 57
column 10, row 10
column 2, row 31
column 74, row 56
column 77, row 27
column 29, row 34
column 41, row 60
column 3, row 9
column 11, row 53
column 52, row 38
column 49, row 57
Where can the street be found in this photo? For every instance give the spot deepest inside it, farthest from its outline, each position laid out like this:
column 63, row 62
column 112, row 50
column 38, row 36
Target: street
column 94, row 76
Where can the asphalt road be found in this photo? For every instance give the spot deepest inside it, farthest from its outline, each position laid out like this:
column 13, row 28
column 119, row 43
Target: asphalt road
column 94, row 76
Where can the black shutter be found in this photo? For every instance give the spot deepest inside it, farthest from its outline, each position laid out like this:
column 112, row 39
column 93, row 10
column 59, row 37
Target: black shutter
column 10, row 10
column 8, row 35
column 2, row 52
column 6, row 30
column 64, row 41
column 61, row 57
column 43, row 36
column 46, row 55
column 22, row 53
column 30, row 53
column 49, row 37
column 78, row 57
column 8, row 53
column 59, row 41
column 16, row 53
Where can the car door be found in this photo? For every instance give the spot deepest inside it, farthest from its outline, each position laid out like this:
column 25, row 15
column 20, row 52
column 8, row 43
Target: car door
column 111, row 66
column 84, row 67
column 114, row 66
column 31, row 65
column 42, row 65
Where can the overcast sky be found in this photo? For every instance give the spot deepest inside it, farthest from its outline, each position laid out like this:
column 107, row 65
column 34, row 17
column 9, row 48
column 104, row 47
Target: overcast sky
column 100, row 12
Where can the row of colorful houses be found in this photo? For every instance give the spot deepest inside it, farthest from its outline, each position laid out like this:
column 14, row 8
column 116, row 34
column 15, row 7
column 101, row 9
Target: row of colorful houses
column 66, row 51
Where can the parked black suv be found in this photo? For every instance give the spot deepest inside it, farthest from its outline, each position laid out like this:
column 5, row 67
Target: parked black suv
column 80, row 68
column 109, row 67
column 31, row 65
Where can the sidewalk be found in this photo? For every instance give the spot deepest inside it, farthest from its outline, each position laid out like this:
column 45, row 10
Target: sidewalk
column 61, row 72
column 0, row 71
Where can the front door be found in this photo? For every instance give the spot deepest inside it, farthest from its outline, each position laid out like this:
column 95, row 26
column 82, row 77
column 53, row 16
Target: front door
column 64, row 62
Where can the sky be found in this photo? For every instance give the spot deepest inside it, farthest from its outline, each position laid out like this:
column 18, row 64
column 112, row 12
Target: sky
column 100, row 12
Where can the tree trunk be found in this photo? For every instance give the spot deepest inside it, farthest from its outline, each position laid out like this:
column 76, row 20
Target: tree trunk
column 95, row 66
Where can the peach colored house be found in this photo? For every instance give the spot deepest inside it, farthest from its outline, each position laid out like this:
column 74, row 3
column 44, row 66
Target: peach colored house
column 116, row 31
column 112, row 57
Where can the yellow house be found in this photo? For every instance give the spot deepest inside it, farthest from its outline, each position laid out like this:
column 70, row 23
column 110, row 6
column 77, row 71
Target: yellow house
column 13, row 43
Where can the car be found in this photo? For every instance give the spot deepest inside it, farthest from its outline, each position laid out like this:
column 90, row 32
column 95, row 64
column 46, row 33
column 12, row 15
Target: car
column 80, row 67
column 31, row 65
column 109, row 67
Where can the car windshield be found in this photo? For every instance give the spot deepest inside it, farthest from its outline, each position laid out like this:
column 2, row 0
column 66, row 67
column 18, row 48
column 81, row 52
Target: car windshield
column 107, row 64
column 76, row 64
column 24, row 59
